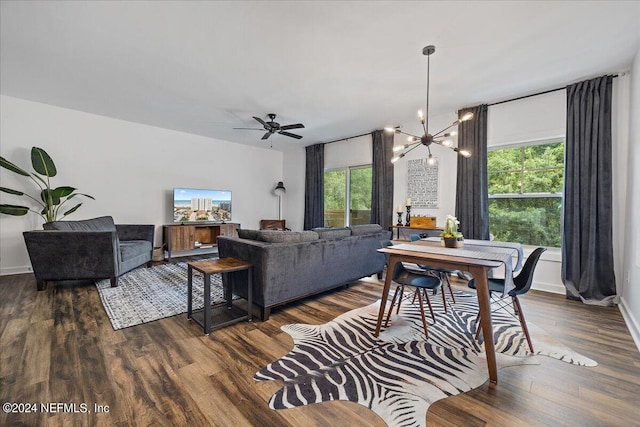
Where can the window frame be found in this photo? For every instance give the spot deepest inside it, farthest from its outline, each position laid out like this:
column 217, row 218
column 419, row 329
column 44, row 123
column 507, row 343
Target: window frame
column 347, row 194
column 522, row 170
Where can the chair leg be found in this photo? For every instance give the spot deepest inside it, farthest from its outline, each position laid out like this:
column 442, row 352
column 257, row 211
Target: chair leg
column 426, row 295
column 424, row 320
column 523, row 323
column 393, row 301
column 446, row 277
column 444, row 301
column 478, row 328
column 41, row 285
column 114, row 281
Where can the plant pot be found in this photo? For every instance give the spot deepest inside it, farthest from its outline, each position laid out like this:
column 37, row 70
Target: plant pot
column 452, row 242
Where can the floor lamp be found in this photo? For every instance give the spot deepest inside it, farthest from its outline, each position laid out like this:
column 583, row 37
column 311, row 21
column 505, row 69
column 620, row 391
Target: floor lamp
column 279, row 191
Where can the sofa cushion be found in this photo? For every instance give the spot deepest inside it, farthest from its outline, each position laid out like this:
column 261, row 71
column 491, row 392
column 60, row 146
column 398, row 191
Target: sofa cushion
column 276, row 236
column 333, row 232
column 248, row 234
column 103, row 223
column 358, row 230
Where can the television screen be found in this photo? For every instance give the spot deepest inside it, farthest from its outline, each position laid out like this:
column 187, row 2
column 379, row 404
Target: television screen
column 194, row 205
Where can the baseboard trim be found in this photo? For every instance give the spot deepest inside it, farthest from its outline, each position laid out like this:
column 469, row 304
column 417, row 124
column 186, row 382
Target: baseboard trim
column 553, row 288
column 6, row 271
column 632, row 322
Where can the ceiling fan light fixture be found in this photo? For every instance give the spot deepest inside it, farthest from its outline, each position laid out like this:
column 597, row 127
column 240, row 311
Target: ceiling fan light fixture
column 427, row 138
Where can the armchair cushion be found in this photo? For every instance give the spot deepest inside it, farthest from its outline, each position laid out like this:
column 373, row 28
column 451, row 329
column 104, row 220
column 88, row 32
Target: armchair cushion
column 103, row 223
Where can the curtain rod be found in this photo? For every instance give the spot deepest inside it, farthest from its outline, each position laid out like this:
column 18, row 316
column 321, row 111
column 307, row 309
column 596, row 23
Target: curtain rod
column 347, row 138
column 533, row 94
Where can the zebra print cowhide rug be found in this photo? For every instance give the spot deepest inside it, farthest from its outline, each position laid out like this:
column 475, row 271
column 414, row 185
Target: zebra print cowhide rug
column 399, row 375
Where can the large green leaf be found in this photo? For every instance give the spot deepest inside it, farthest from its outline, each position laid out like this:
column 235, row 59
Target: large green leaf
column 72, row 210
column 42, row 163
column 49, row 197
column 13, row 210
column 63, row 191
column 81, row 194
column 13, row 168
column 10, row 191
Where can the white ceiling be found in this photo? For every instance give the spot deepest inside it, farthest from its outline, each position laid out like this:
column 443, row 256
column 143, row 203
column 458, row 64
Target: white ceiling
column 341, row 68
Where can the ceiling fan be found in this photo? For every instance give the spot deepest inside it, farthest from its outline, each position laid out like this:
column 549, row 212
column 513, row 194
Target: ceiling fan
column 274, row 127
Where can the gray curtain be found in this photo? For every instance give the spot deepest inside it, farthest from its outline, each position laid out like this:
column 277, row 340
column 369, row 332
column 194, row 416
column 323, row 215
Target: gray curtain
column 472, row 191
column 314, row 187
column 382, row 186
column 587, row 246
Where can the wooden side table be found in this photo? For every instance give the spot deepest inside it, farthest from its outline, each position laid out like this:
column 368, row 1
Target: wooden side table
column 223, row 317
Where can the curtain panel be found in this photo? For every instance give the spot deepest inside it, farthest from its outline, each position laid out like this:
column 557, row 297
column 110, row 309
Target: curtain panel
column 587, row 244
column 382, row 180
column 472, row 191
column 314, row 187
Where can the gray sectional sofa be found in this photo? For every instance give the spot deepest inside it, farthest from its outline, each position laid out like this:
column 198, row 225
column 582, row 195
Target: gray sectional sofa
column 290, row 265
column 88, row 249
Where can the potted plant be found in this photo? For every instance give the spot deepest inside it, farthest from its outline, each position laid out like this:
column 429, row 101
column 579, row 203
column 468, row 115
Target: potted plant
column 450, row 236
column 50, row 201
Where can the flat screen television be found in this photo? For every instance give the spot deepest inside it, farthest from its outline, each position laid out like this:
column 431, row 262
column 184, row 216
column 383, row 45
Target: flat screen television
column 198, row 205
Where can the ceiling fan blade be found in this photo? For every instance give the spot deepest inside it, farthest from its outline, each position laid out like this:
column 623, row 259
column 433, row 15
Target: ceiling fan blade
column 260, row 120
column 266, row 135
column 249, row 128
column 296, row 126
column 292, row 135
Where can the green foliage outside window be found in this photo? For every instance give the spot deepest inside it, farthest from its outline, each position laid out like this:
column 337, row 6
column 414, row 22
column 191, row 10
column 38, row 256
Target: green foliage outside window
column 335, row 192
column 525, row 193
column 335, row 182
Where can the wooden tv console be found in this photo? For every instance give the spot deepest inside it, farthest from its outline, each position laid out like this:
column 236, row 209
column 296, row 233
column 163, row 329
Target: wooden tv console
column 202, row 238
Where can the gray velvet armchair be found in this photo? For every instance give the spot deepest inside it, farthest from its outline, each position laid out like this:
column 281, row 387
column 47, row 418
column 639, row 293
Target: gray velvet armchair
column 89, row 249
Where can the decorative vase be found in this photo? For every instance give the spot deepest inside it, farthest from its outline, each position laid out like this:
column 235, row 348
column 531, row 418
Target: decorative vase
column 450, row 242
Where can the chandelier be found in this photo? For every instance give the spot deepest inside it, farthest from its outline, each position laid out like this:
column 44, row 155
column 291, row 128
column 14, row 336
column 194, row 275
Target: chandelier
column 442, row 138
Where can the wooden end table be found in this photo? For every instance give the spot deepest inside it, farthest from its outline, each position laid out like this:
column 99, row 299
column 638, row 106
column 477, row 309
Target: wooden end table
column 233, row 314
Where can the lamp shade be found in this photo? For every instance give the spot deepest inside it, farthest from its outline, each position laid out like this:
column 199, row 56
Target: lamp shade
column 280, row 190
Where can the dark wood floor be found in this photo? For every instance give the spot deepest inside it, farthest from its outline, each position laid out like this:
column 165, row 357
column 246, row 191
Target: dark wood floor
column 58, row 346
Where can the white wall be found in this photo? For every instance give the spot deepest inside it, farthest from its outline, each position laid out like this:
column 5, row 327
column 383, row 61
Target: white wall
column 129, row 168
column 629, row 282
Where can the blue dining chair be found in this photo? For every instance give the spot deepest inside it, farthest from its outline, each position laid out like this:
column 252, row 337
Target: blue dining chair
column 422, row 282
column 442, row 273
column 522, row 284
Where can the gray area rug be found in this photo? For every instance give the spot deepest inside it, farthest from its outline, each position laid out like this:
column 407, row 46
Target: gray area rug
column 147, row 294
column 399, row 375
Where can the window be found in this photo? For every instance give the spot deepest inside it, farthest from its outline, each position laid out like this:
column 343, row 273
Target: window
column 347, row 196
column 525, row 192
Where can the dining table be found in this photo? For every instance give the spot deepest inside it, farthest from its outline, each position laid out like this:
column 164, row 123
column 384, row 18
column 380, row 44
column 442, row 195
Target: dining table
column 476, row 259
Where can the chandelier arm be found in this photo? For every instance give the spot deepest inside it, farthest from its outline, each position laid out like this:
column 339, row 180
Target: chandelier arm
column 441, row 144
column 408, row 134
column 447, row 128
column 416, row 145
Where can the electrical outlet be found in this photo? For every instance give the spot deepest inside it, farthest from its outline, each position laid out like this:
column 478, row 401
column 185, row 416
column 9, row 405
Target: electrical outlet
column 627, row 278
